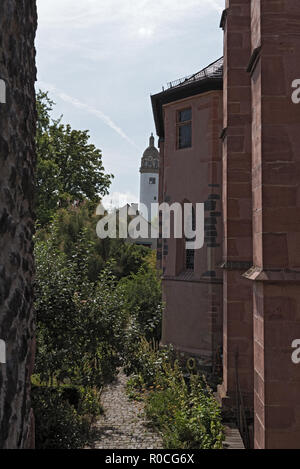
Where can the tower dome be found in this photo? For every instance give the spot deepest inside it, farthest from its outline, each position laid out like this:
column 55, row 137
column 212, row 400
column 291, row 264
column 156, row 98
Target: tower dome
column 150, row 159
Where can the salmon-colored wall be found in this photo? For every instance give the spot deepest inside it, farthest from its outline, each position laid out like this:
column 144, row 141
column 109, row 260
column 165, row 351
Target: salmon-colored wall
column 193, row 315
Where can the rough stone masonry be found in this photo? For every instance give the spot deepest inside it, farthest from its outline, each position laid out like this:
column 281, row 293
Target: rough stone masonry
column 18, row 21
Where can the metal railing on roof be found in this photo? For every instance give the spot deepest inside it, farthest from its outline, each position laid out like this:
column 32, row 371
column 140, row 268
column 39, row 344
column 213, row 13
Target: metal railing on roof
column 214, row 71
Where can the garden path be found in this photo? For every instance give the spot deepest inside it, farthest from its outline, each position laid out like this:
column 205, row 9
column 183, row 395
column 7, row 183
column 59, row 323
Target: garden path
column 123, row 425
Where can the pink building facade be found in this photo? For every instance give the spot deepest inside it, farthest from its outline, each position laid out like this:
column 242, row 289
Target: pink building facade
column 193, row 174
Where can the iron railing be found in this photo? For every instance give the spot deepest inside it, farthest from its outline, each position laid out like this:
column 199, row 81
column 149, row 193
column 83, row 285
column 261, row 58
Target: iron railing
column 214, row 71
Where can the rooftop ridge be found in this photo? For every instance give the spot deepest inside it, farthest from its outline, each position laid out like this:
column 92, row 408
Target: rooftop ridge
column 213, row 71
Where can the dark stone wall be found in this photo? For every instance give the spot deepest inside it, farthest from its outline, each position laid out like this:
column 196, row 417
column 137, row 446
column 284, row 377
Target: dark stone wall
column 18, row 21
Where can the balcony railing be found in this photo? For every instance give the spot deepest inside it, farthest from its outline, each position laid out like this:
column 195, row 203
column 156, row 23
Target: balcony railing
column 213, row 71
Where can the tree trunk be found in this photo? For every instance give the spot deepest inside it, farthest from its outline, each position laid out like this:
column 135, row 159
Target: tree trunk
column 17, row 160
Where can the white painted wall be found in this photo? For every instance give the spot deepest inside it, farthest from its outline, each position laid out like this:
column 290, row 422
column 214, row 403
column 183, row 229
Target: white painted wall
column 148, row 193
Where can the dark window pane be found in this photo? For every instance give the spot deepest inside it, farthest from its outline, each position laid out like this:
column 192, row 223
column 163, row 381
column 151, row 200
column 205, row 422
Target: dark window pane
column 152, row 181
column 185, row 136
column 190, row 259
column 185, row 115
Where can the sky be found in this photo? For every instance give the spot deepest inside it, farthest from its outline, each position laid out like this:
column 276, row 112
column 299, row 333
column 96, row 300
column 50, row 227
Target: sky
column 101, row 60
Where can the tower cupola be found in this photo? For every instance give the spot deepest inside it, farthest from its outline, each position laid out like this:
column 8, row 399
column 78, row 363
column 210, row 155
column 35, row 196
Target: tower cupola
column 149, row 179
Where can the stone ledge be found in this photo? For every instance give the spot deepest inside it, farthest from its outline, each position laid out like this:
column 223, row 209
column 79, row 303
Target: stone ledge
column 187, row 277
column 259, row 274
column 235, row 265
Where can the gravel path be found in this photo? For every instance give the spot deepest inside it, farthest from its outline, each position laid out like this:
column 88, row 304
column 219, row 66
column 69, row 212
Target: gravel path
column 123, row 426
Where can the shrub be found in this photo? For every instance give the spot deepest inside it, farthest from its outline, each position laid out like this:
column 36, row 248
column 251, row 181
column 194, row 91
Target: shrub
column 187, row 415
column 57, row 423
column 63, row 415
column 135, row 387
column 80, row 324
column 69, row 224
column 144, row 361
column 144, row 301
column 89, row 403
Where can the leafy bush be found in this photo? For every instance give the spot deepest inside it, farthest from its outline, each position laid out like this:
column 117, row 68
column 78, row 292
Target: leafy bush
column 144, row 300
column 188, row 416
column 57, row 423
column 144, row 362
column 90, row 403
column 63, row 414
column 80, row 324
column 69, row 224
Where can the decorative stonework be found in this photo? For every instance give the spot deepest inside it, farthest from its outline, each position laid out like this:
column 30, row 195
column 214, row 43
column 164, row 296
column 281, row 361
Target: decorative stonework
column 150, row 159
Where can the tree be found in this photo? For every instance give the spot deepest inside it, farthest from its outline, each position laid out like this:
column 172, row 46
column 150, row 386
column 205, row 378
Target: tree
column 80, row 324
column 69, row 168
column 69, row 223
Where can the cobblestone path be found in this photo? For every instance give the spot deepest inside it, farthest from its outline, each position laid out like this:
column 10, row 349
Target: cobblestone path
column 122, row 426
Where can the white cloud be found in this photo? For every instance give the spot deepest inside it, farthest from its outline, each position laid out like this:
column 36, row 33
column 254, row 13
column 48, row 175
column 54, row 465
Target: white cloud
column 146, row 32
column 85, row 107
column 145, row 12
column 89, row 23
column 118, row 199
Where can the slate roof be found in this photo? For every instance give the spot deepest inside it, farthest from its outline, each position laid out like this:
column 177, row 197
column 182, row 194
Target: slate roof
column 208, row 79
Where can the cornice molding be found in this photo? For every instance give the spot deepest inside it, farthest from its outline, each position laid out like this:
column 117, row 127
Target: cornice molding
column 259, row 274
column 235, row 265
column 224, row 18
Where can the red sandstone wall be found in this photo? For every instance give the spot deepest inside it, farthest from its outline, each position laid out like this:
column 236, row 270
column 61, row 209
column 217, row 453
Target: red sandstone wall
column 237, row 207
column 276, row 228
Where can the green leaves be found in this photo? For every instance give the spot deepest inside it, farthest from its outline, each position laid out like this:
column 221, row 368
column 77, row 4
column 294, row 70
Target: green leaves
column 80, row 324
column 188, row 417
column 144, row 299
column 69, row 168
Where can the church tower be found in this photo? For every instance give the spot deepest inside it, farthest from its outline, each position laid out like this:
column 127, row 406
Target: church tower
column 149, row 178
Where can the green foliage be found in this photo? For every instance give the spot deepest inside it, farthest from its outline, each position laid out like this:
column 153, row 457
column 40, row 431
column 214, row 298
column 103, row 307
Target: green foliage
column 129, row 258
column 183, row 410
column 135, row 387
column 58, row 424
column 143, row 295
column 144, row 362
column 69, row 168
column 89, row 403
column 69, row 224
column 80, row 324
column 188, row 416
column 144, row 299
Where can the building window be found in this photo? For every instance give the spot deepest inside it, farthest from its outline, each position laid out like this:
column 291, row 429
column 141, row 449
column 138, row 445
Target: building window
column 190, row 253
column 184, row 128
column 152, row 180
column 190, row 259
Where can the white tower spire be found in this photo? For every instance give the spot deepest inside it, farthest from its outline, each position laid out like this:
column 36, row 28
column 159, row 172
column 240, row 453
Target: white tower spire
column 149, row 178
